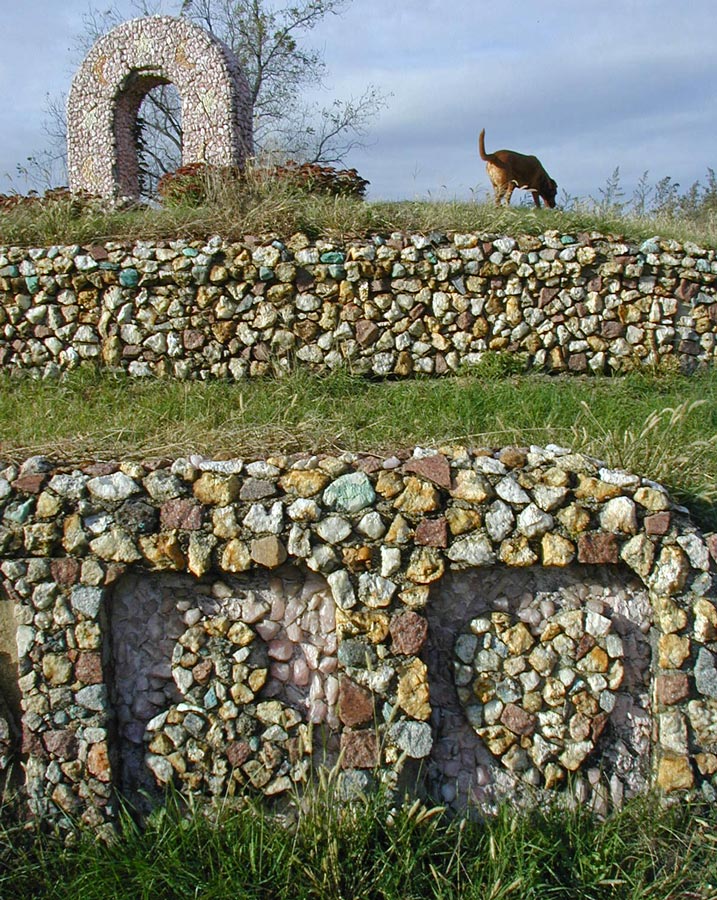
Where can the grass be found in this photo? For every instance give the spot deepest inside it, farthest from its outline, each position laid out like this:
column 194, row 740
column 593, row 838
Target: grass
column 362, row 850
column 661, row 426
column 258, row 206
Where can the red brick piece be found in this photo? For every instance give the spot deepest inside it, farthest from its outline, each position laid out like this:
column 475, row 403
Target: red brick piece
column 659, row 523
column 517, row 720
column 65, row 571
column 359, row 750
column 670, row 689
column 62, row 744
column 355, row 703
column 238, row 752
column 182, row 513
column 88, row 668
column 598, row 549
column 408, row 632
column 433, row 468
column 432, row 533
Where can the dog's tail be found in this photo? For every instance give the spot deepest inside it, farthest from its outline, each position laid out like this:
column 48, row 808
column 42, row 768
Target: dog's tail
column 481, row 146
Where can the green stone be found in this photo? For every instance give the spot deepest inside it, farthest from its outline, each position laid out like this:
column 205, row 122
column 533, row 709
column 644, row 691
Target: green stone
column 266, row 273
column 200, row 274
column 129, row 278
column 9, row 272
column 332, row 257
column 190, row 251
column 33, row 283
column 337, row 272
column 350, row 493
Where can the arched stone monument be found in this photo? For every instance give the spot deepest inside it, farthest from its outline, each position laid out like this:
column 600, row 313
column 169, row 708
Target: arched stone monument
column 109, row 87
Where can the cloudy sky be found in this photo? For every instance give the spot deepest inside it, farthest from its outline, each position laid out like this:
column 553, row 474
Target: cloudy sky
column 587, row 85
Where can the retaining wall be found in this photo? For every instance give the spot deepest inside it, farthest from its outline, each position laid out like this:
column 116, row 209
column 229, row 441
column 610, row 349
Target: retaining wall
column 407, row 304
column 511, row 622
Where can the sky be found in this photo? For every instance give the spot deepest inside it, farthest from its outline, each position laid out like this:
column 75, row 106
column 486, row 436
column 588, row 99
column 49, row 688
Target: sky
column 586, row 85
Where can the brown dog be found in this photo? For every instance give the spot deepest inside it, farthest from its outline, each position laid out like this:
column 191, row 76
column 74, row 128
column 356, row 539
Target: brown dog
column 509, row 170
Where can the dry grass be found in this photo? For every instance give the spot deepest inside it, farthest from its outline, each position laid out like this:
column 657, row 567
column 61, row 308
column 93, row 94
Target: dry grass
column 259, row 206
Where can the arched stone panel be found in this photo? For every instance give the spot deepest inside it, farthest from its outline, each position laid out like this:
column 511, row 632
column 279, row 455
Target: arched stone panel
column 392, row 538
column 111, row 83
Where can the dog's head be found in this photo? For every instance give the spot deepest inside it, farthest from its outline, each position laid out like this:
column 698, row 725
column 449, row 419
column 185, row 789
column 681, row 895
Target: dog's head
column 548, row 190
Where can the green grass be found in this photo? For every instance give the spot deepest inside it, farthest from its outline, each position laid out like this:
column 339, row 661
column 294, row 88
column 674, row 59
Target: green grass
column 361, row 850
column 660, row 426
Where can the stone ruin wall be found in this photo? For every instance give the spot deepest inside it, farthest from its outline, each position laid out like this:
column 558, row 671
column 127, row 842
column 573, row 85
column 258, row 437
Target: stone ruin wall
column 118, row 72
column 472, row 625
column 399, row 306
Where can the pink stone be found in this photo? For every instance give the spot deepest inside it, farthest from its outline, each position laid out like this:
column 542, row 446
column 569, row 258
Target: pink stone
column 316, row 691
column 312, row 655
column 318, row 712
column 280, row 671
column 301, row 672
column 277, row 609
column 327, row 615
column 281, row 650
column 294, row 633
column 331, row 690
column 328, row 665
column 267, row 630
column 294, row 608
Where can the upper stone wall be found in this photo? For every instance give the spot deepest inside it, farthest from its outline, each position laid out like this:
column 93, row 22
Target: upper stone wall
column 410, row 303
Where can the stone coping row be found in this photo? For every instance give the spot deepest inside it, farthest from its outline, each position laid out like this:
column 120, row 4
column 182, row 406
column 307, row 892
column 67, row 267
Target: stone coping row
column 393, row 306
column 382, row 532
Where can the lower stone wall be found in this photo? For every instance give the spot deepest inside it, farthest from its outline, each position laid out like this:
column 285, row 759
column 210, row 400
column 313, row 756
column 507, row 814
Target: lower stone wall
column 395, row 306
column 471, row 624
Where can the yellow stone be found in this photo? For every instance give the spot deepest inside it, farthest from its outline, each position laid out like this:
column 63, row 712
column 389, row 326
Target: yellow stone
column 257, row 679
column 518, row 639
column 413, row 692
column 595, row 489
column 574, row 518
column 596, row 661
column 516, row 551
column 461, row 521
column 389, row 484
column 399, row 531
column 419, row 497
column 675, row 774
column 426, row 565
column 371, row 623
column 304, row 482
column 705, row 628
column 235, row 557
column 471, row 486
column 668, row 615
column 706, row 763
column 673, row 650
column 216, row 489
column 557, row 550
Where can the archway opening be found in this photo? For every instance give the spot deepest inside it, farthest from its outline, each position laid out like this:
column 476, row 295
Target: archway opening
column 148, row 134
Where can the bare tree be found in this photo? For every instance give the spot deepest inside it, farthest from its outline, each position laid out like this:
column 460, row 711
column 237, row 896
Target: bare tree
column 267, row 39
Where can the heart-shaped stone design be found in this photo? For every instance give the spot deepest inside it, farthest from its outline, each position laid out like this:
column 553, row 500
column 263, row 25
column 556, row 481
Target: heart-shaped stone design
column 539, row 698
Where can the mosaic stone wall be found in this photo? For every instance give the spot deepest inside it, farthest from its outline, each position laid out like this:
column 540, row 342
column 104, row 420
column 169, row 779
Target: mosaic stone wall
column 430, row 305
column 120, row 69
column 470, row 624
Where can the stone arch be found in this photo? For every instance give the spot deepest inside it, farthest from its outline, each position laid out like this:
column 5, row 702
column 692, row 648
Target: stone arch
column 114, row 78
